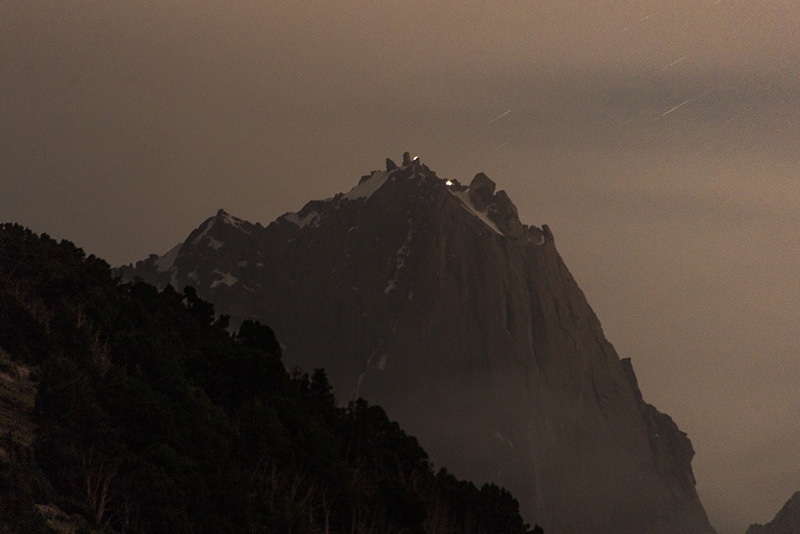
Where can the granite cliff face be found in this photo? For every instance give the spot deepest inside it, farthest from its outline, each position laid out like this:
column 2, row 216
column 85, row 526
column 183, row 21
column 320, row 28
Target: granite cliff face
column 787, row 521
column 432, row 299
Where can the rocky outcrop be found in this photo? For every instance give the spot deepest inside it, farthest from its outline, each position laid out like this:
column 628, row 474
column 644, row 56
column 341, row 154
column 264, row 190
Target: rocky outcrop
column 787, row 521
column 481, row 191
column 498, row 206
column 504, row 214
column 436, row 302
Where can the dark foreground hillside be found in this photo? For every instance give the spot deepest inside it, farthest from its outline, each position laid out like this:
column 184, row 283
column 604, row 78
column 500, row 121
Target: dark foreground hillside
column 126, row 409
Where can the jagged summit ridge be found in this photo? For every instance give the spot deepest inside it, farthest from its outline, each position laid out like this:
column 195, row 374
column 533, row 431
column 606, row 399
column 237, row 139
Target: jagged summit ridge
column 434, row 300
column 495, row 210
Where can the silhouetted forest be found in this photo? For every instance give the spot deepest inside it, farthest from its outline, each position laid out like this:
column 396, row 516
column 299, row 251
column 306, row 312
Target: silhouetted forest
column 151, row 416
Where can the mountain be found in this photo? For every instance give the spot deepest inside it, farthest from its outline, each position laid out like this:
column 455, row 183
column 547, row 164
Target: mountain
column 432, row 299
column 787, row 521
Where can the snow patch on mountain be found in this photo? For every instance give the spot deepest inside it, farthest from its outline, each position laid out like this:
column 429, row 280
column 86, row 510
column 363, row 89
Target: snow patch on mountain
column 367, row 187
column 207, row 228
column 357, row 389
column 226, row 278
column 229, row 219
column 225, row 218
column 213, row 243
column 390, row 286
column 309, row 219
column 382, row 362
column 499, row 435
column 165, row 262
column 399, row 261
column 463, row 196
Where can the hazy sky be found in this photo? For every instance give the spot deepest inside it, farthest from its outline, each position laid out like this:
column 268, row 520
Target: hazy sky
column 658, row 139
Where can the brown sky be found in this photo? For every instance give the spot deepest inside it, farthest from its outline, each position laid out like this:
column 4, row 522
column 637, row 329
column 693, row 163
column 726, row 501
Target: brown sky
column 658, row 139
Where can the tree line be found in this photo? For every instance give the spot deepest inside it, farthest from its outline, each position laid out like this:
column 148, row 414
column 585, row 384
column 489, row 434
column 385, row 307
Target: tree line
column 151, row 416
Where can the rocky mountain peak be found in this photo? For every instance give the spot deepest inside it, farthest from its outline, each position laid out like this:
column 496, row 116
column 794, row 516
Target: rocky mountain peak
column 481, row 191
column 432, row 299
